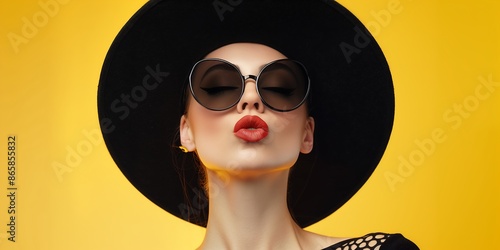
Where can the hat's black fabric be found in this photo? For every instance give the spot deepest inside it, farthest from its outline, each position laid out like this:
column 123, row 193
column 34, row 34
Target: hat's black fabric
column 146, row 70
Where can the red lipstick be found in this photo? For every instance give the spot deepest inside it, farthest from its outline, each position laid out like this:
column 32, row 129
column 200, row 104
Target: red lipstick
column 251, row 128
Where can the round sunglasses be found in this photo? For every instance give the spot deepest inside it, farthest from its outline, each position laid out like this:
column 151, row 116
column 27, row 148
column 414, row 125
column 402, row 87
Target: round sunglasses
column 283, row 85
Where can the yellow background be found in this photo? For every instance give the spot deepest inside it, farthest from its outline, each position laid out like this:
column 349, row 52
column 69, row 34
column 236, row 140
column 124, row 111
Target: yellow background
column 440, row 53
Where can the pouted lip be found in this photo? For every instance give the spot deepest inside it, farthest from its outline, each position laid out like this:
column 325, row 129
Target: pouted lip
column 251, row 128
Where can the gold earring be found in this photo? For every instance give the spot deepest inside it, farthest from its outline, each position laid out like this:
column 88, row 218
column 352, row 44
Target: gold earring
column 183, row 149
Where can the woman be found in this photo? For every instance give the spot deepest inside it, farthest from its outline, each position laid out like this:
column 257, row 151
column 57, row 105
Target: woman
column 281, row 123
column 252, row 194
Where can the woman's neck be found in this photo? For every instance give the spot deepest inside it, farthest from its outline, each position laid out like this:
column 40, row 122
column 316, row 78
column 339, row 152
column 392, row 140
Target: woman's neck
column 252, row 213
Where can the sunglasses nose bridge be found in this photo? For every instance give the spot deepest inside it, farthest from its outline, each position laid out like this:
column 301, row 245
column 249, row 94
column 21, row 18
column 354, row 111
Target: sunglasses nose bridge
column 253, row 77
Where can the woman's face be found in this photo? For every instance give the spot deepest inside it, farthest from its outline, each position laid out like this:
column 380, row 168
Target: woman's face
column 230, row 140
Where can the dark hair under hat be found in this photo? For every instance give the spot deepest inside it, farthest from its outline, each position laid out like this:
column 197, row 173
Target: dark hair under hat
column 146, row 70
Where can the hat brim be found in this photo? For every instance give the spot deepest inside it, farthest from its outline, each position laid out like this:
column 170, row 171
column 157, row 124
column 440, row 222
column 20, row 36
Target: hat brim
column 146, row 70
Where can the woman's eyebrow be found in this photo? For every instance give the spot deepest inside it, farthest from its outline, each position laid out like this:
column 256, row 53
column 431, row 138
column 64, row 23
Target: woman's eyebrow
column 278, row 65
column 274, row 64
column 220, row 66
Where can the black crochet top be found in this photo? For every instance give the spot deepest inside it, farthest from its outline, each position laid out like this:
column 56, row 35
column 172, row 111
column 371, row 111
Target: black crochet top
column 375, row 241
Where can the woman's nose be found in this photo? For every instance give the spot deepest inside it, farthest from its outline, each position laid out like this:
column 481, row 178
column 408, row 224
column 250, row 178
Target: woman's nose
column 250, row 99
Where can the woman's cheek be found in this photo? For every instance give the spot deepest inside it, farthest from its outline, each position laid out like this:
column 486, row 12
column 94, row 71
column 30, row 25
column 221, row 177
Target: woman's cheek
column 212, row 139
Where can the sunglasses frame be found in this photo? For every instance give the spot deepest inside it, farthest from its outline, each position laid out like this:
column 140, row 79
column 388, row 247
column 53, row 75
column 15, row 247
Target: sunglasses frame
column 244, row 78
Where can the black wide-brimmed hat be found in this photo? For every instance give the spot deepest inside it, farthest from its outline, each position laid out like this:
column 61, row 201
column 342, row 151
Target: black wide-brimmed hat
column 146, row 71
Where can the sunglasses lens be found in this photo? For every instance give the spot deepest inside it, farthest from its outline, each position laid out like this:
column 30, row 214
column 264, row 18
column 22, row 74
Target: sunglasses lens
column 217, row 85
column 283, row 85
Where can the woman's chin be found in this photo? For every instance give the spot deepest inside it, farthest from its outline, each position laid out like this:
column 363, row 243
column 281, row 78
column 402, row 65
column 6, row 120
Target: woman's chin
column 249, row 168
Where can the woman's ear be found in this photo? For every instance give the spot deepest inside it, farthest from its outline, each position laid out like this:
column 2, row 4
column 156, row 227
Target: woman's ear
column 308, row 139
column 186, row 134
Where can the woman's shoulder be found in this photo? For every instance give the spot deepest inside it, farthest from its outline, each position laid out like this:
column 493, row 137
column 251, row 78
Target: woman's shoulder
column 376, row 241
